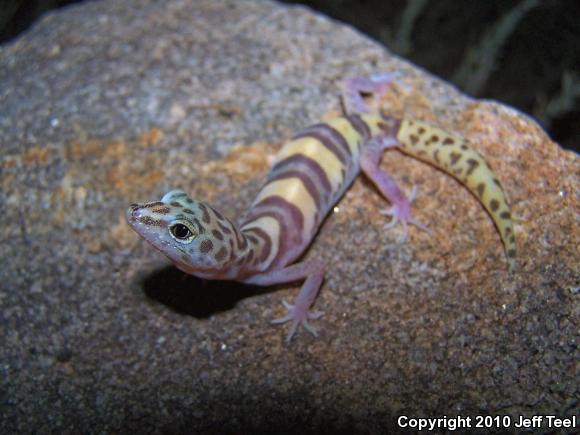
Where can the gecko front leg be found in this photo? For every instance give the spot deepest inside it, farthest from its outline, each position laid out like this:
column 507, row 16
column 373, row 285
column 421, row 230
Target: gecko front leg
column 299, row 313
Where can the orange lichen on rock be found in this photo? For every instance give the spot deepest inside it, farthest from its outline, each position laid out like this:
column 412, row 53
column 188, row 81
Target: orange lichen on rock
column 119, row 169
column 36, row 156
column 125, row 178
column 95, row 148
column 242, row 161
column 152, row 137
column 8, row 162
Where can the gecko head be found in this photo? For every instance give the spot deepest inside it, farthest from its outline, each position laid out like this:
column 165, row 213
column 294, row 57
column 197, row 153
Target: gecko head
column 195, row 237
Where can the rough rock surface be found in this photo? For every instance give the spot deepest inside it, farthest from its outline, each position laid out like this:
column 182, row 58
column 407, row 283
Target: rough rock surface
column 107, row 103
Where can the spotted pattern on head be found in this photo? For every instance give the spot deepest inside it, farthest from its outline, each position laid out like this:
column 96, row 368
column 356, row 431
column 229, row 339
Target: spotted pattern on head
column 217, row 234
column 161, row 210
column 206, row 246
column 205, row 213
column 192, row 234
column 221, row 254
column 149, row 221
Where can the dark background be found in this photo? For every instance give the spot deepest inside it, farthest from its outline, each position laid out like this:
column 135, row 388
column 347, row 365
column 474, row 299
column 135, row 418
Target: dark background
column 525, row 53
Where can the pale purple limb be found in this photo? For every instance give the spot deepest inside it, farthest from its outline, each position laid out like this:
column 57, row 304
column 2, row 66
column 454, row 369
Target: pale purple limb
column 298, row 313
column 400, row 210
column 353, row 87
column 395, row 212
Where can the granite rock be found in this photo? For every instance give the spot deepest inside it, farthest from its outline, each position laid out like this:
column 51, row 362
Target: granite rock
column 108, row 103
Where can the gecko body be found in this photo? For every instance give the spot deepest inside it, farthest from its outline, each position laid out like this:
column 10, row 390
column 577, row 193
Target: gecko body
column 309, row 175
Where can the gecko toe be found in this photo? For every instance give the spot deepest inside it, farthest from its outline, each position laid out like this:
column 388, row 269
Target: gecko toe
column 315, row 315
column 309, row 327
column 297, row 318
column 292, row 331
column 421, row 226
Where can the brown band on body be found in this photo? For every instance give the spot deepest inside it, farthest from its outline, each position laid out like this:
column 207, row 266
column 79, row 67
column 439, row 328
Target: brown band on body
column 330, row 138
column 289, row 218
column 310, row 186
column 359, row 126
column 265, row 237
column 307, row 165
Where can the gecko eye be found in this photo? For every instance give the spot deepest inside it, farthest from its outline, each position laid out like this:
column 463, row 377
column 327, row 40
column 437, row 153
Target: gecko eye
column 182, row 231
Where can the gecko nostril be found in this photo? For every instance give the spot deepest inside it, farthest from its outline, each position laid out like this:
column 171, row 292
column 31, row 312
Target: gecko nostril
column 132, row 213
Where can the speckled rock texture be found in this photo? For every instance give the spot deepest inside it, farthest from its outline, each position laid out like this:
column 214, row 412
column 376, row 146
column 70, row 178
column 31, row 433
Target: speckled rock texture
column 108, row 103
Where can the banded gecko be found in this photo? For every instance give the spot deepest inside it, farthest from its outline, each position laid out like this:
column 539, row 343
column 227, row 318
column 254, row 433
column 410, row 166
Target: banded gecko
column 309, row 175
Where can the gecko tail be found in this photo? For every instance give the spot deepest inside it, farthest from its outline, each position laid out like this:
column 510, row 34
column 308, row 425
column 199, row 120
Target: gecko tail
column 453, row 155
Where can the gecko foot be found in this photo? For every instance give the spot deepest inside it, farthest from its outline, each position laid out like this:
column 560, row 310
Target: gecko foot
column 298, row 316
column 401, row 212
column 376, row 85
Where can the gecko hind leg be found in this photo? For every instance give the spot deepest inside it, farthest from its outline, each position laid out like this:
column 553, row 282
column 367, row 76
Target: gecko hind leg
column 376, row 85
column 298, row 314
column 400, row 210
